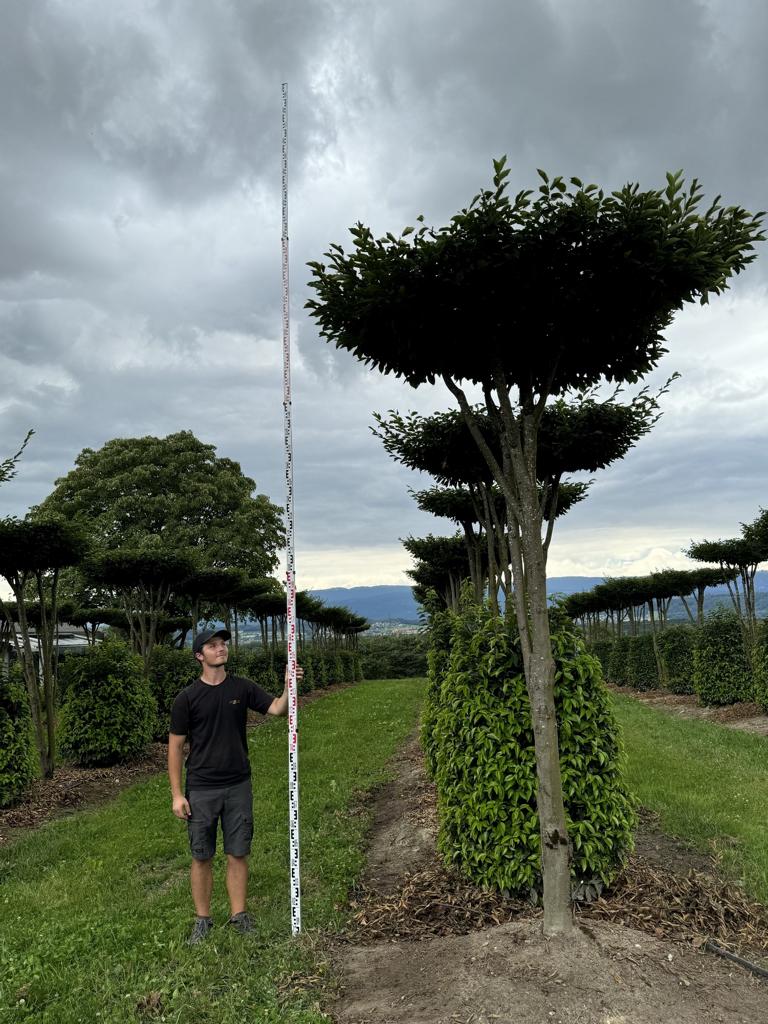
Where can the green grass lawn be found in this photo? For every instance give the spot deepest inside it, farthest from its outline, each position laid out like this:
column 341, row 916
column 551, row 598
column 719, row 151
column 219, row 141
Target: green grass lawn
column 95, row 909
column 708, row 783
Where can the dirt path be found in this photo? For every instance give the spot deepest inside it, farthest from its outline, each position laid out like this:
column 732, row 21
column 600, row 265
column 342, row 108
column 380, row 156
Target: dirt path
column 425, row 948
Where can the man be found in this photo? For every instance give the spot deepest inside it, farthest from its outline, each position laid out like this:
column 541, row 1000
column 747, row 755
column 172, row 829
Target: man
column 211, row 713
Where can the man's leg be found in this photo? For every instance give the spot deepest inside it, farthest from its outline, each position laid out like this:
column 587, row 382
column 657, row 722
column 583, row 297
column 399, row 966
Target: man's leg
column 237, row 882
column 201, row 879
column 237, row 826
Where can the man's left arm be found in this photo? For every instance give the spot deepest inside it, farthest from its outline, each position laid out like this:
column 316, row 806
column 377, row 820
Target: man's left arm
column 279, row 705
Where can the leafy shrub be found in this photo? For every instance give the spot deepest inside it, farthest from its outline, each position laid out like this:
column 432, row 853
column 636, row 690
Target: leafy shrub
column 357, row 667
column 257, row 664
column 170, row 670
column 401, row 656
column 602, row 650
column 17, row 765
column 676, row 649
column 437, row 664
column 109, row 715
column 761, row 661
column 485, row 761
column 721, row 668
column 618, row 662
column 337, row 662
column 307, row 662
column 642, row 670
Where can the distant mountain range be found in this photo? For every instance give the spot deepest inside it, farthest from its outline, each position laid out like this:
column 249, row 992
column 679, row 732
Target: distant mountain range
column 396, row 603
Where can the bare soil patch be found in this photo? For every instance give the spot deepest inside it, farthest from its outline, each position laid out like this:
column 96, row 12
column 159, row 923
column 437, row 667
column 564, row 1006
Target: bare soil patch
column 425, row 947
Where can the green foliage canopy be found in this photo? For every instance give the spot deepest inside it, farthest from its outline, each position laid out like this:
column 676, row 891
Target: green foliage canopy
column 172, row 492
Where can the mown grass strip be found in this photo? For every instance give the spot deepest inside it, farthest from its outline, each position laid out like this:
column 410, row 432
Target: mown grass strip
column 95, row 909
column 708, row 783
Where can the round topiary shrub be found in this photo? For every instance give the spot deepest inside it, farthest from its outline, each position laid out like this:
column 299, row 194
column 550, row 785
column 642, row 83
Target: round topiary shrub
column 17, row 764
column 438, row 654
column 170, row 670
column 722, row 672
column 485, row 762
column 642, row 669
column 109, row 715
column 676, row 649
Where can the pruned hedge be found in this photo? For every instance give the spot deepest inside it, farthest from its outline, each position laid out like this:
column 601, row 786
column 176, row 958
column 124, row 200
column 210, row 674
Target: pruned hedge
column 721, row 667
column 17, row 765
column 109, row 714
column 712, row 660
column 676, row 649
column 485, row 762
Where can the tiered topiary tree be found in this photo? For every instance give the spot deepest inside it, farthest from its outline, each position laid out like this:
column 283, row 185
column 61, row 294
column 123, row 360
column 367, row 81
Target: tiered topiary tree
column 533, row 300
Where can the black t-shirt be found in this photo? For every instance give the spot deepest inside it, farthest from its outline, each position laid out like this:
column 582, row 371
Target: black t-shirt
column 213, row 718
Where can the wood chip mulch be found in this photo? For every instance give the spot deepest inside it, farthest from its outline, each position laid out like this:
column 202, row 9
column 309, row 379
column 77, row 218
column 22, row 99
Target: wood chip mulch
column 71, row 788
column 687, row 909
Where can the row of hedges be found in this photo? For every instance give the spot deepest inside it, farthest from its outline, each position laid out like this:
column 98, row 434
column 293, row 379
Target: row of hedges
column 716, row 661
column 478, row 737
column 110, row 710
column 398, row 656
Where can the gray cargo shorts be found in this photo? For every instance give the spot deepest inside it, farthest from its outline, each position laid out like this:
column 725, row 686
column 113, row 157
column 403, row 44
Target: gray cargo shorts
column 234, row 806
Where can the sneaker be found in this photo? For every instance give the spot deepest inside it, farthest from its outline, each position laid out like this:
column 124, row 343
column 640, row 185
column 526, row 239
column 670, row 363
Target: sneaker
column 200, row 930
column 241, row 922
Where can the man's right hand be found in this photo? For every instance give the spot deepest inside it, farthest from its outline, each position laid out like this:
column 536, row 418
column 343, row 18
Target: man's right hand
column 181, row 807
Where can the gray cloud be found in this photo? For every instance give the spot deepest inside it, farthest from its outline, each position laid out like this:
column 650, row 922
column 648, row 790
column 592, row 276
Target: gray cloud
column 140, row 218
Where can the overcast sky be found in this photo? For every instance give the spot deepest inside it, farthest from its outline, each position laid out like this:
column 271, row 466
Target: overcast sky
column 140, row 236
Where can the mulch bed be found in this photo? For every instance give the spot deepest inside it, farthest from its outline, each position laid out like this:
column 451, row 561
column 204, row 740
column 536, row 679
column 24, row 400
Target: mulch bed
column 688, row 909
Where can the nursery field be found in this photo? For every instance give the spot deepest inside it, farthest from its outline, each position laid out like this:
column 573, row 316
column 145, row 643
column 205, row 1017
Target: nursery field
column 708, row 784
column 95, row 908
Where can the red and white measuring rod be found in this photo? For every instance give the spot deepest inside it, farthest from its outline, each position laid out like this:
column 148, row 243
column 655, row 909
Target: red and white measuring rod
column 293, row 738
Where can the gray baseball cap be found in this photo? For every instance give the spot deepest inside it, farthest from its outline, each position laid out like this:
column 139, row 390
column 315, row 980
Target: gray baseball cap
column 202, row 638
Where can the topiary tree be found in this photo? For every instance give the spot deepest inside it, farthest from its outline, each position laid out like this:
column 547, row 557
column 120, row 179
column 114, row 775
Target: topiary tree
column 16, row 759
column 142, row 582
column 32, row 554
column 109, row 715
column 722, row 669
column 532, row 299
column 486, row 766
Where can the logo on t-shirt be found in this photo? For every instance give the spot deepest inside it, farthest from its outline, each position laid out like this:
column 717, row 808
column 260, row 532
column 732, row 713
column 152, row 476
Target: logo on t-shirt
column 235, row 700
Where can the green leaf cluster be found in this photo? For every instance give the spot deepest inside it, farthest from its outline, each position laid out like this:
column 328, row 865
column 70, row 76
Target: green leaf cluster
column 721, row 665
column 642, row 670
column 438, row 656
column 485, row 761
column 618, row 662
column 17, row 766
column 109, row 715
column 168, row 672
column 400, row 656
column 676, row 649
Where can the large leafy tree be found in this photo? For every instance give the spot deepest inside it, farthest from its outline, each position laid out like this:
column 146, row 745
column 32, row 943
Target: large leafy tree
column 175, row 493
column 532, row 298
